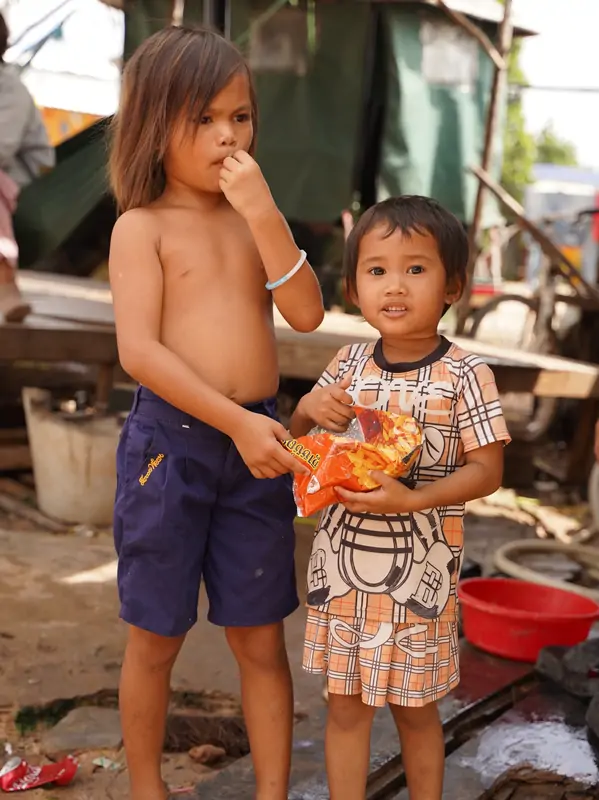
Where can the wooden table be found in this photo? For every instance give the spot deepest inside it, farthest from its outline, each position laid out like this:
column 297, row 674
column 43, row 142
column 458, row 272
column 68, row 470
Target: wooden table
column 73, row 321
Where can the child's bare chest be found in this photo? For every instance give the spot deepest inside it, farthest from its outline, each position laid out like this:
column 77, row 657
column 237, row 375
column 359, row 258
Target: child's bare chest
column 211, row 259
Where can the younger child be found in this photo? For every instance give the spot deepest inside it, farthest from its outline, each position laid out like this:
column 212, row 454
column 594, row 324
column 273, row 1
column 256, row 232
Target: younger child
column 195, row 258
column 382, row 623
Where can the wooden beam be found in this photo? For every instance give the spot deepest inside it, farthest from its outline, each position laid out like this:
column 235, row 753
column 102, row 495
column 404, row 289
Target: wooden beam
column 302, row 356
column 14, row 457
column 474, row 31
column 547, row 245
column 37, row 339
column 506, row 33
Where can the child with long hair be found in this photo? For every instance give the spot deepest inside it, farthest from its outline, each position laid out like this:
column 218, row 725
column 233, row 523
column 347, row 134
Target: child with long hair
column 204, row 487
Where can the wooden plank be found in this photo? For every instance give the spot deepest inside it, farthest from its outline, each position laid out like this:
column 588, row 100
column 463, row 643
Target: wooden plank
column 38, row 339
column 16, row 506
column 72, row 309
column 482, row 678
column 302, row 356
column 14, row 456
column 69, row 377
column 17, row 489
column 545, row 730
column 63, row 285
column 336, row 330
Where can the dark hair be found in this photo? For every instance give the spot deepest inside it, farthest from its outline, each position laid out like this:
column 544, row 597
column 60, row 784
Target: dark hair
column 4, row 37
column 412, row 214
column 175, row 72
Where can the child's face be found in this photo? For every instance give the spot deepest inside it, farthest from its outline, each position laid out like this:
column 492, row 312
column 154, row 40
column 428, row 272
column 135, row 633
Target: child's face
column 195, row 160
column 401, row 283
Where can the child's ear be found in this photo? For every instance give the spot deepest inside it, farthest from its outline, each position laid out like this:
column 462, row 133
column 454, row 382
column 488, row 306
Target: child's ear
column 453, row 291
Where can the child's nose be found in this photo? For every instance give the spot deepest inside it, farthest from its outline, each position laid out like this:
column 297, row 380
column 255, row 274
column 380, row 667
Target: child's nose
column 395, row 286
column 226, row 135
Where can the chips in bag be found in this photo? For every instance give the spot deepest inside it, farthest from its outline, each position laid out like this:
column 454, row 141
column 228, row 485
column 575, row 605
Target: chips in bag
column 374, row 440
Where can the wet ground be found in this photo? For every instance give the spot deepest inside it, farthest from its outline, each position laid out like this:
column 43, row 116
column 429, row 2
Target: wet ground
column 538, row 749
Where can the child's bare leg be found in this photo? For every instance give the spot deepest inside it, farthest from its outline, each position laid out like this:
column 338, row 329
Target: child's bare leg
column 422, row 749
column 347, row 746
column 144, row 696
column 267, row 698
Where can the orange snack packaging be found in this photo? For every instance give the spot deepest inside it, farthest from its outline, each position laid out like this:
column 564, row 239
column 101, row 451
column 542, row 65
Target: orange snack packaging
column 374, row 440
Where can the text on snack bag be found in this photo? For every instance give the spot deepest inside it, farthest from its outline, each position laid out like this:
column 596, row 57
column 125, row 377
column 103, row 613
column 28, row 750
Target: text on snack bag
column 303, row 453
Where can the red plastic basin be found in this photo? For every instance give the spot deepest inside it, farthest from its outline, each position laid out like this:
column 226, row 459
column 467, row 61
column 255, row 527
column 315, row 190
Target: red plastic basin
column 516, row 619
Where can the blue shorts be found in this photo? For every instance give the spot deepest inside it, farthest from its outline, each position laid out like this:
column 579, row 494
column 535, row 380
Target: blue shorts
column 186, row 507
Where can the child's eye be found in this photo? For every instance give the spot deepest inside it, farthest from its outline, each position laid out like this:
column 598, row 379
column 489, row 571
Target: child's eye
column 376, row 271
column 416, row 269
column 242, row 118
column 205, row 120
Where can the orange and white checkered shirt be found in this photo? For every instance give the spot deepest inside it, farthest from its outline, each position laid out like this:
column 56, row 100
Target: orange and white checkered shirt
column 403, row 568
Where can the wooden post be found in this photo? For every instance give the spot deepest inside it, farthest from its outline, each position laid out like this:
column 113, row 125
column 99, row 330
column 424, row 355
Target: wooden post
column 506, row 32
column 104, row 383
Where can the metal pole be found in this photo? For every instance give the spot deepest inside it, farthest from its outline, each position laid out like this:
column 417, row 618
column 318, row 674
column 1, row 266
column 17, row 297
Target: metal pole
column 228, row 15
column 506, row 33
column 210, row 14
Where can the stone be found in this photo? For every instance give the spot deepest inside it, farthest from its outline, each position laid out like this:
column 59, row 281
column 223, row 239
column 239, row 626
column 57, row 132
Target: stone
column 550, row 663
column 592, row 717
column 207, row 754
column 575, row 669
column 85, row 728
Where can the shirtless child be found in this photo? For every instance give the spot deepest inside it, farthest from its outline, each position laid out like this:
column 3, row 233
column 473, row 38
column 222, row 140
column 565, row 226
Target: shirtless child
column 198, row 240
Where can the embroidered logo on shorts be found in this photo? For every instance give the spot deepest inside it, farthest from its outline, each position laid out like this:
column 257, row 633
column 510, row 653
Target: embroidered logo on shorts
column 143, row 479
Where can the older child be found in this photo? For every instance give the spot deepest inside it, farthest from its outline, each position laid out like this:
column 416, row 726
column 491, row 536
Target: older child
column 195, row 259
column 382, row 623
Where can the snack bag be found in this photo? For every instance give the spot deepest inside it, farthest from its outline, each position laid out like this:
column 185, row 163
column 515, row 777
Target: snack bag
column 374, row 440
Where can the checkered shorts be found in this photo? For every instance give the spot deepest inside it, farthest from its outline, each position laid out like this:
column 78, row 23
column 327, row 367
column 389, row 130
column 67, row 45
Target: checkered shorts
column 407, row 664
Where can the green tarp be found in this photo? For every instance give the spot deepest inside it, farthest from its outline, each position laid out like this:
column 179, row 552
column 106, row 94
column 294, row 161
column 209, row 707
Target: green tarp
column 52, row 207
column 434, row 123
column 310, row 124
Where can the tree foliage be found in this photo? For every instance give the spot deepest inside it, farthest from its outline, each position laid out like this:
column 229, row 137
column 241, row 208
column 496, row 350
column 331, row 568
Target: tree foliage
column 553, row 149
column 519, row 150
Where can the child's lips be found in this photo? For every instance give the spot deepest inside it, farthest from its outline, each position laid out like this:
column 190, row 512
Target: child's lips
column 395, row 311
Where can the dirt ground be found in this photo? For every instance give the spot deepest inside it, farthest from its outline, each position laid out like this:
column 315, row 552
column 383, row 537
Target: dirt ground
column 60, row 637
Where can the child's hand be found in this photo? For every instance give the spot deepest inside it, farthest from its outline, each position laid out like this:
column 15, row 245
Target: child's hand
column 259, row 444
column 392, row 497
column 243, row 184
column 329, row 406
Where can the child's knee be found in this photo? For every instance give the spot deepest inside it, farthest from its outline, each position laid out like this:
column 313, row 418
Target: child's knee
column 416, row 718
column 347, row 712
column 151, row 652
column 259, row 648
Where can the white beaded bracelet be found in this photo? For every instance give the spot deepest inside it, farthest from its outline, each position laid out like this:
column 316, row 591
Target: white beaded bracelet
column 275, row 284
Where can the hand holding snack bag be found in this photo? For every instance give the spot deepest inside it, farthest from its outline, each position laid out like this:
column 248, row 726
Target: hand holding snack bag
column 330, row 407
column 374, row 440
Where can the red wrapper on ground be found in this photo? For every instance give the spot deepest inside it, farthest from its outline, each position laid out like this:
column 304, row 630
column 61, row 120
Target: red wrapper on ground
column 375, row 440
